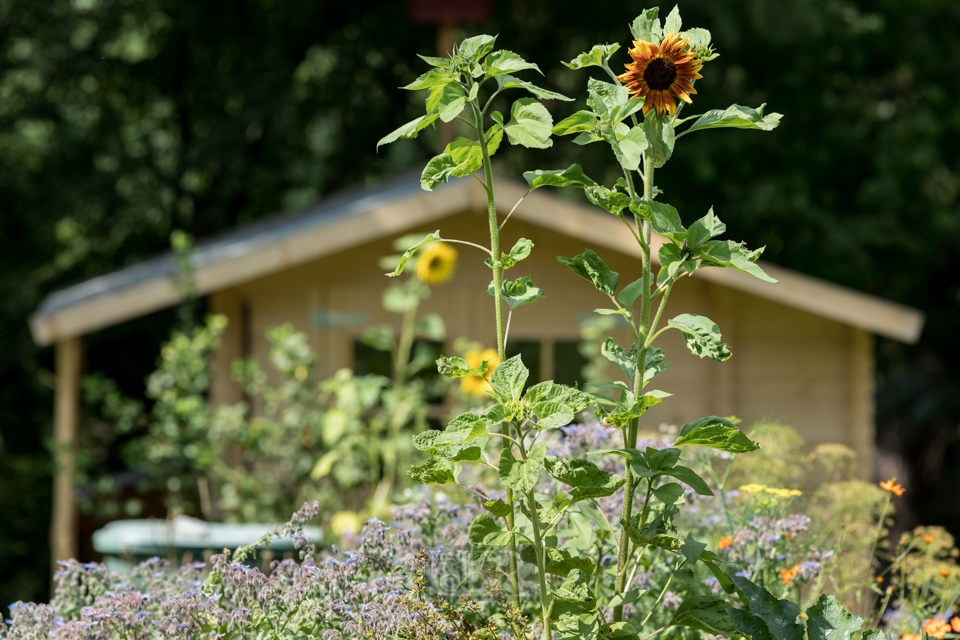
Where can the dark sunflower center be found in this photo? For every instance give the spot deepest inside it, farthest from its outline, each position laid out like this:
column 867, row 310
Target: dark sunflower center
column 435, row 263
column 660, row 74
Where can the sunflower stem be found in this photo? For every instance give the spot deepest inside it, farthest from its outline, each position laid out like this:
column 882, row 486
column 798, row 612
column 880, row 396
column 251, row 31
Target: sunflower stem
column 501, row 351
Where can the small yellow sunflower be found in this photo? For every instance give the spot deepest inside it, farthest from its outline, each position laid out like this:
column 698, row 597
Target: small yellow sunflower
column 437, row 263
column 661, row 73
column 478, row 385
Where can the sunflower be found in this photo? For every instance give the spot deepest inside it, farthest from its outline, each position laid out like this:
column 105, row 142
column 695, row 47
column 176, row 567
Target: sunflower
column 477, row 385
column 660, row 73
column 437, row 263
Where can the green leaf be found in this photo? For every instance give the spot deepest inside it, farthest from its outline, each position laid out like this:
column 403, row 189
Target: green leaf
column 455, row 367
column 654, row 365
column 555, row 392
column 750, row 625
column 443, row 63
column 497, row 507
column 558, row 563
column 629, row 294
column 451, row 101
column 706, row 613
column 632, row 147
column 692, row 549
column 572, row 176
column 500, row 62
column 529, row 125
column 666, row 220
column 626, row 360
column 707, row 227
column 828, row 620
column 522, row 475
column 509, row 377
column 405, row 258
column 669, row 493
column 618, row 631
column 484, row 532
column 605, row 96
column 593, row 58
column 462, row 440
column 467, row 154
column 436, row 471
column 699, row 38
column 689, row 477
column 521, row 250
column 575, row 587
column 551, row 415
column 622, row 417
column 581, row 121
column 410, row 130
column 439, row 170
column 671, row 261
column 727, row 253
column 660, row 137
column 672, row 23
column 702, row 335
column 590, row 266
column 725, row 582
column 779, row 615
column 497, row 414
column 625, row 110
column 586, row 479
column 736, row 117
column 477, row 47
column 612, row 201
column 646, row 26
column 626, row 598
column 430, row 79
column 716, row 433
column 518, row 292
column 509, row 82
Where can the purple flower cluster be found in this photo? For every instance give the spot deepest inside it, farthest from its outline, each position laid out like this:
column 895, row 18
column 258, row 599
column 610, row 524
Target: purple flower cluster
column 332, row 595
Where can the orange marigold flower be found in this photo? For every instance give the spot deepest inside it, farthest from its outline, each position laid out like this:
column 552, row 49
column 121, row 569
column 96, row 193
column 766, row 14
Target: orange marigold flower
column 955, row 624
column 891, row 486
column 936, row 628
column 879, row 579
column 928, row 538
column 661, row 73
column 788, row 575
column 945, row 572
column 725, row 542
column 910, row 636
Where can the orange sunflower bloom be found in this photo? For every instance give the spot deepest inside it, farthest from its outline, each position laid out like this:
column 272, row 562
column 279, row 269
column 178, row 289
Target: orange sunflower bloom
column 936, row 628
column 661, row 73
column 891, row 486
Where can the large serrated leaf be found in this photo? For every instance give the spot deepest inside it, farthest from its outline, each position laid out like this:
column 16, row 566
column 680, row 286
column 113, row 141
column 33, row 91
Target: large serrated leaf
column 779, row 616
column 736, row 117
column 500, row 62
column 522, row 475
column 558, row 562
column 530, row 124
column 586, row 479
column 454, row 367
column 518, row 292
column 626, row 360
column 509, row 377
column 706, row 613
column 590, row 266
column 509, row 82
column 727, row 253
column 716, row 433
column 828, row 620
column 572, row 176
column 484, row 532
column 646, row 26
column 702, row 336
column 593, row 58
column 436, row 471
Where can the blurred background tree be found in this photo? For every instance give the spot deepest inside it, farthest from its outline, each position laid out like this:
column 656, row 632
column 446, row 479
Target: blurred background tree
column 121, row 120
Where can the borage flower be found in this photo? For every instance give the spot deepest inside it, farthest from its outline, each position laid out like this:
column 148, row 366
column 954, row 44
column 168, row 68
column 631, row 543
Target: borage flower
column 660, row 73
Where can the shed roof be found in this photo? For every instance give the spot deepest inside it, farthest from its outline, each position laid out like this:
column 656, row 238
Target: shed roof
column 358, row 216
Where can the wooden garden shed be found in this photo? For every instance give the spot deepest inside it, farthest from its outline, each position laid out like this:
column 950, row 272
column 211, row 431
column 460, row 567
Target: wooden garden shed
column 802, row 349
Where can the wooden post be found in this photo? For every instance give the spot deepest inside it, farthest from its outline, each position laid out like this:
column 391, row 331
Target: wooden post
column 862, row 426
column 66, row 417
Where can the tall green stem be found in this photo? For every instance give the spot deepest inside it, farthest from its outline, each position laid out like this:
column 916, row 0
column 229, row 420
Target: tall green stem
column 540, row 550
column 623, row 558
column 498, row 303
